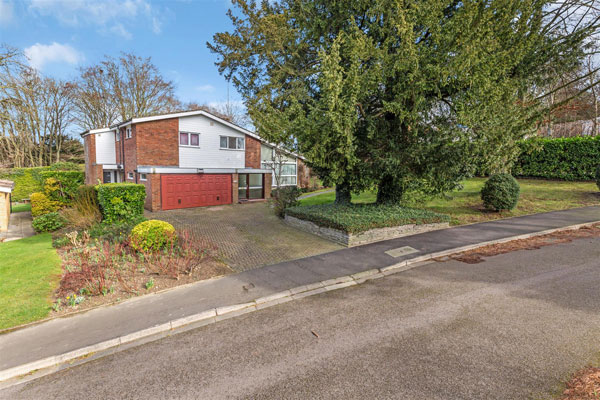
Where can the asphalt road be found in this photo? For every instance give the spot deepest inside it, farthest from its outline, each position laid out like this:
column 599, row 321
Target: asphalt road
column 512, row 327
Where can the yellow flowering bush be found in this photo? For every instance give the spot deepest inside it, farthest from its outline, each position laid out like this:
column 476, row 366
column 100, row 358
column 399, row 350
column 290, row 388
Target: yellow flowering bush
column 152, row 235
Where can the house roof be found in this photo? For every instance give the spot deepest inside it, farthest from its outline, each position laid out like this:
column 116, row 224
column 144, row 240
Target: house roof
column 187, row 114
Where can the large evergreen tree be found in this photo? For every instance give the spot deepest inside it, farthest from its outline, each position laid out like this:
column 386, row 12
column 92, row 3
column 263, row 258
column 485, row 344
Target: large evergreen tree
column 407, row 95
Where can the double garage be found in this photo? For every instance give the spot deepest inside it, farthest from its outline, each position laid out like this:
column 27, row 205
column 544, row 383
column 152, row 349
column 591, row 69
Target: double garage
column 205, row 189
column 195, row 190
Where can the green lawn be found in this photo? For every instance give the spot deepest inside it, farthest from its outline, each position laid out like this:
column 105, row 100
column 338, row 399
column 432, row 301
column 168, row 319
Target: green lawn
column 21, row 207
column 29, row 273
column 464, row 206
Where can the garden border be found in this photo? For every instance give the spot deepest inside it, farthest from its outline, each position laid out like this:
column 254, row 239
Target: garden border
column 48, row 365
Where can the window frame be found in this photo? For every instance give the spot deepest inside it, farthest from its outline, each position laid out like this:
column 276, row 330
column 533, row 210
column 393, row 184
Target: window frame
column 189, row 139
column 118, row 136
column 130, row 175
column 268, row 164
column 143, row 177
column 238, row 140
column 128, row 133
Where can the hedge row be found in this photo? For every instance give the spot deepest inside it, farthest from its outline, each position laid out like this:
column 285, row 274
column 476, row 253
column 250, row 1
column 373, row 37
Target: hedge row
column 31, row 180
column 569, row 159
column 121, row 201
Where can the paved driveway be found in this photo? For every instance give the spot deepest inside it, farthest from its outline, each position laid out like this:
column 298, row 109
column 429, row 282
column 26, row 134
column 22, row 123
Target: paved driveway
column 512, row 327
column 247, row 235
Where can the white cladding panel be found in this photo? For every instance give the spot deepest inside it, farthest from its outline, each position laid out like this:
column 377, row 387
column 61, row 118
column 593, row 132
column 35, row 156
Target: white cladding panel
column 209, row 154
column 105, row 148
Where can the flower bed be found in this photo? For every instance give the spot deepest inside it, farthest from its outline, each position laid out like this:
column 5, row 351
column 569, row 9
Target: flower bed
column 106, row 268
column 358, row 224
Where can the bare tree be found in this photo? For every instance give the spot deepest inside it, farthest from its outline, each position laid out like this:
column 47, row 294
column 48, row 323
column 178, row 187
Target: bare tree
column 120, row 89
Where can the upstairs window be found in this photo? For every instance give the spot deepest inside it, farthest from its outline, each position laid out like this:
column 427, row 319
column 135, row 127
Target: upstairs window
column 232, row 143
column 128, row 133
column 189, row 139
column 118, row 135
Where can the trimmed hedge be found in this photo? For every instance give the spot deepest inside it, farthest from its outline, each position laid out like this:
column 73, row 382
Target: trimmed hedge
column 357, row 218
column 569, row 159
column 121, row 201
column 30, row 180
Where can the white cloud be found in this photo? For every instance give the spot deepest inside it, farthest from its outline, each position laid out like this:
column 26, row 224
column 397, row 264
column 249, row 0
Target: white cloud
column 205, row 88
column 6, row 12
column 99, row 13
column 41, row 54
column 119, row 30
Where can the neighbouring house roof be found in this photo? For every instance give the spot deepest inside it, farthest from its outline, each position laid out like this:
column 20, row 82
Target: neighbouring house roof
column 6, row 186
column 94, row 131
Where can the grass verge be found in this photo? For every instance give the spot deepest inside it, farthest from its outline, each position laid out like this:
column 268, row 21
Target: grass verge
column 464, row 206
column 29, row 273
column 362, row 217
column 21, row 207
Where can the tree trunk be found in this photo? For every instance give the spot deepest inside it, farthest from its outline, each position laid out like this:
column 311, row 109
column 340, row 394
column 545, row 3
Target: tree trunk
column 343, row 194
column 388, row 191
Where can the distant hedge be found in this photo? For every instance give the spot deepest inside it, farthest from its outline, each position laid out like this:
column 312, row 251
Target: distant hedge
column 569, row 159
column 30, row 180
column 62, row 186
column 121, row 201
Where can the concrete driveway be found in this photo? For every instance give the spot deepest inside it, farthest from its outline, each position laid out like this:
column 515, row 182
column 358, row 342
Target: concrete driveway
column 247, row 236
column 512, row 327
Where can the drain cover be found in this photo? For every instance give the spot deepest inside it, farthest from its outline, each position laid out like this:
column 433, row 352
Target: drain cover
column 401, row 251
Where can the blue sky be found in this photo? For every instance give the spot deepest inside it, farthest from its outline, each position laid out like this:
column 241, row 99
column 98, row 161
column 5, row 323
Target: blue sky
column 59, row 36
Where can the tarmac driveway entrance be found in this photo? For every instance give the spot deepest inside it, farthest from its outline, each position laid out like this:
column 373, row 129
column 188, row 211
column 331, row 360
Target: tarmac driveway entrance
column 247, row 235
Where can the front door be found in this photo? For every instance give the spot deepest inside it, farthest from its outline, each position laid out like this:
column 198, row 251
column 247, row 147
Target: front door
column 250, row 187
column 107, row 177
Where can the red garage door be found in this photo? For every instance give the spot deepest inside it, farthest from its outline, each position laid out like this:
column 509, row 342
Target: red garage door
column 195, row 190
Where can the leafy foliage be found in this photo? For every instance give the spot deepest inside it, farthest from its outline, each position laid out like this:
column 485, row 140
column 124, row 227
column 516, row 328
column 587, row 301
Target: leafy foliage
column 598, row 176
column 283, row 198
column 117, row 231
column 48, row 222
column 357, row 218
column 407, row 96
column 570, row 159
column 41, row 204
column 500, row 192
column 121, row 201
column 62, row 186
column 30, row 180
column 152, row 235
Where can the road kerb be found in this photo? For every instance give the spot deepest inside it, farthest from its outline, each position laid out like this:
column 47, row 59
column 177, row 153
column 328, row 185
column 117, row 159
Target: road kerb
column 221, row 313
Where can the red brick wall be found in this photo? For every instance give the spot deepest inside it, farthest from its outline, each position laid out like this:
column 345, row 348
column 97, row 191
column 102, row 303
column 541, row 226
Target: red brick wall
column 89, row 147
column 267, row 185
column 252, row 152
column 158, row 142
column 152, row 184
column 130, row 161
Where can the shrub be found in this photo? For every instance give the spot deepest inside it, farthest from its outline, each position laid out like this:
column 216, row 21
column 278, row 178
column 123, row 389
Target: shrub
column 570, row 159
column 30, row 180
column 285, row 198
column 41, row 204
column 356, row 218
column 85, row 211
column 121, row 201
column 152, row 235
column 62, row 186
column 114, row 231
column 48, row 222
column 598, row 176
column 500, row 192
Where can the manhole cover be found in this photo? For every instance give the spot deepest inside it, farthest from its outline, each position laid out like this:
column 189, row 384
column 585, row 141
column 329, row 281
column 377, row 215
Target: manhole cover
column 401, row 251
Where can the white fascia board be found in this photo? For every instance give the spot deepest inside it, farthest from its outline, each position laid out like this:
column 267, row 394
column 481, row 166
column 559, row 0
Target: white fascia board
column 167, row 170
column 94, row 131
column 111, row 166
column 253, row 171
column 4, row 189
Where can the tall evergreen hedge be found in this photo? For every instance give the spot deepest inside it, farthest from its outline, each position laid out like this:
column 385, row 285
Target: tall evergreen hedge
column 569, row 159
column 30, row 180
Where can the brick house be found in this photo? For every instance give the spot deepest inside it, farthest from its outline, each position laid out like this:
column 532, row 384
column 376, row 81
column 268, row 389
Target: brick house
column 189, row 159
